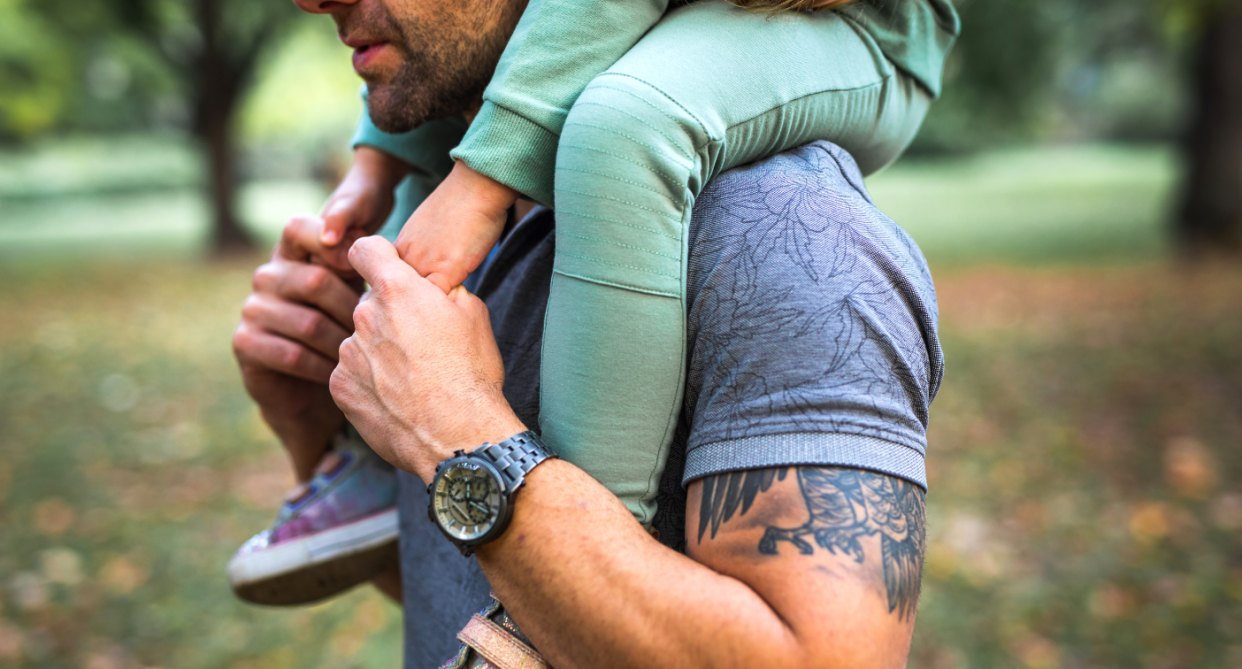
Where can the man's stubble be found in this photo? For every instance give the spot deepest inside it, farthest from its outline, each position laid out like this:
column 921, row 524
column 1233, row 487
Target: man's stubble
column 447, row 59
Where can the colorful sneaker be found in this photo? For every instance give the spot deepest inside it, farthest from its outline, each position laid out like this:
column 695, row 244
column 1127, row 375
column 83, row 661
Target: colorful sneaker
column 332, row 533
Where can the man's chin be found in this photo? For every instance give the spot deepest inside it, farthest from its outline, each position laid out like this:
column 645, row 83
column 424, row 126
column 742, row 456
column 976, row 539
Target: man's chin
column 389, row 111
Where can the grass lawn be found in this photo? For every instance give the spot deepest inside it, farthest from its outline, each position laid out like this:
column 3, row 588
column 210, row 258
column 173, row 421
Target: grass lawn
column 1086, row 504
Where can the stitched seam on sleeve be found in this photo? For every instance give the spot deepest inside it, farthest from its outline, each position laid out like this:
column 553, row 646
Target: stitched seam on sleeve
column 624, row 246
column 621, row 134
column 568, row 212
column 671, row 179
column 616, row 284
column 616, row 264
column 641, row 120
column 610, row 176
column 635, row 205
column 702, row 126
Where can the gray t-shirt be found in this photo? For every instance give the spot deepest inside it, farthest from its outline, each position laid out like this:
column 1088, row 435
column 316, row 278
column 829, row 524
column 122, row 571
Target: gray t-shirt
column 812, row 340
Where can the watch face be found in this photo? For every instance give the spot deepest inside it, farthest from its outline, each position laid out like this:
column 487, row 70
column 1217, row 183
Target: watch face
column 467, row 500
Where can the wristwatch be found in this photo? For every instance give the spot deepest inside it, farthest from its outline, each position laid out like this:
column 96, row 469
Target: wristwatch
column 472, row 493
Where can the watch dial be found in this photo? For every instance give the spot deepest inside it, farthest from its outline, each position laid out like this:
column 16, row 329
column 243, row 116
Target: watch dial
column 467, row 500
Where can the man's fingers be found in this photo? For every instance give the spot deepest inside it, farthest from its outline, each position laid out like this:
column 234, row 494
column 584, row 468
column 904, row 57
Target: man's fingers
column 311, row 285
column 376, row 259
column 257, row 348
column 294, row 321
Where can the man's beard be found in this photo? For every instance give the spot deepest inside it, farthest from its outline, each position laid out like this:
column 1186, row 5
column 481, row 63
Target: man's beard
column 446, row 64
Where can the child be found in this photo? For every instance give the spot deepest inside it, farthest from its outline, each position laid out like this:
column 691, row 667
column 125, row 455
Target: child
column 640, row 122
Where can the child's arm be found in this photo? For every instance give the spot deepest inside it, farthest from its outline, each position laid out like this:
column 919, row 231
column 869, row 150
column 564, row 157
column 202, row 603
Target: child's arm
column 382, row 160
column 559, row 46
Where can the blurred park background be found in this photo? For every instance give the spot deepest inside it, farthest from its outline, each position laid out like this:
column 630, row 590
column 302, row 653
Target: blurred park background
column 1076, row 190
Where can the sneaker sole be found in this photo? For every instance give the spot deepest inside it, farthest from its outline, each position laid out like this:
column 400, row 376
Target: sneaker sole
column 308, row 570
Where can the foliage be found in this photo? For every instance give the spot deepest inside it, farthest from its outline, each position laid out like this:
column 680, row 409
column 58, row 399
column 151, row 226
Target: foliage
column 34, row 80
column 1061, row 69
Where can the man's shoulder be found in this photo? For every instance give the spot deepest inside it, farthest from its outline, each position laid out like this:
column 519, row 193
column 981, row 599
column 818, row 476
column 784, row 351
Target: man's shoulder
column 812, row 323
column 818, row 167
column 806, row 209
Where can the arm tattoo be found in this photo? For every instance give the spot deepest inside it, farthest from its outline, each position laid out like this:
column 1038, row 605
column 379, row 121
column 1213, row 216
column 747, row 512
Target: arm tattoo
column 845, row 504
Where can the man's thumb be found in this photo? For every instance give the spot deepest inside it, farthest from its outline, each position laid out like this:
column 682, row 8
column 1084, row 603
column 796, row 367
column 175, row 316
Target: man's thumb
column 372, row 255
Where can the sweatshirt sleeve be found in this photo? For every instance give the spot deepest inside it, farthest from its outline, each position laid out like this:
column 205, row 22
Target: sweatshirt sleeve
column 559, row 46
column 425, row 148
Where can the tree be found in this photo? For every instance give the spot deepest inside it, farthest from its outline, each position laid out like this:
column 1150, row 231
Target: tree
column 1209, row 216
column 213, row 45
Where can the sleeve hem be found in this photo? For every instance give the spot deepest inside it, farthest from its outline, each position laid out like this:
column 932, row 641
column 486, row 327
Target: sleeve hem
column 802, row 448
column 511, row 149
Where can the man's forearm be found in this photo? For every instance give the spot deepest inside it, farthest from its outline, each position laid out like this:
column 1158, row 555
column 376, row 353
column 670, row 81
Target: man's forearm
column 591, row 588
column 421, row 378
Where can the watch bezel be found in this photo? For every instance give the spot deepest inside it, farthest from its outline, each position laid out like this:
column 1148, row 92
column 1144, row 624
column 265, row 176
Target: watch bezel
column 503, row 516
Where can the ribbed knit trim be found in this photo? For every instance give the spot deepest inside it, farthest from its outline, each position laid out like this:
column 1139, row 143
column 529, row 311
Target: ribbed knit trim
column 827, row 449
column 511, row 149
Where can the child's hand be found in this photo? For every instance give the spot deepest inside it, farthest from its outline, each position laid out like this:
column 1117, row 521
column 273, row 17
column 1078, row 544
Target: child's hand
column 357, row 207
column 453, row 230
column 302, row 241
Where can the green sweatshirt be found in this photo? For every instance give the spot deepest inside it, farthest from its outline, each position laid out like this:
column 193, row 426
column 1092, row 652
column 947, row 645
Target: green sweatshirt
column 559, row 46
column 633, row 125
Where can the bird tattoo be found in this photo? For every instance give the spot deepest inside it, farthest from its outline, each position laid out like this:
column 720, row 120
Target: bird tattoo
column 844, row 505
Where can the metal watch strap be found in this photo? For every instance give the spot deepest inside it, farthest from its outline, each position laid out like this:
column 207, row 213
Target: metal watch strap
column 515, row 457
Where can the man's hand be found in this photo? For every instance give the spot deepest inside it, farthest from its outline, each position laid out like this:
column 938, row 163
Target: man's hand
column 421, row 377
column 286, row 345
column 453, row 230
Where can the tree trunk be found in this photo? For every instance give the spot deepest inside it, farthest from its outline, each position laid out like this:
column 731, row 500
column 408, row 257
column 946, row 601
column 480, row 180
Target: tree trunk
column 227, row 235
column 219, row 90
column 1209, row 219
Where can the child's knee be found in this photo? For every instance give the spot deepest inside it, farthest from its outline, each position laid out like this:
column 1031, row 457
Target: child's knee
column 624, row 120
column 624, row 168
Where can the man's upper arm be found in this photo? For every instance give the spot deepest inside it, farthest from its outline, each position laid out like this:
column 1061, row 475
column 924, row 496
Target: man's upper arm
column 836, row 552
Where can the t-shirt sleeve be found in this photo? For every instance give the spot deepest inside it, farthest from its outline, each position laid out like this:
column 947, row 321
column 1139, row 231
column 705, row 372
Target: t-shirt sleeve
column 812, row 321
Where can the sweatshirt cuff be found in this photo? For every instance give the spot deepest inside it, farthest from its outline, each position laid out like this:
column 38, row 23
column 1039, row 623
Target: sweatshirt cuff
column 511, row 149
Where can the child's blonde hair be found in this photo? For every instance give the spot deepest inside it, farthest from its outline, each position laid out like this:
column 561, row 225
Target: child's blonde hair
column 777, row 6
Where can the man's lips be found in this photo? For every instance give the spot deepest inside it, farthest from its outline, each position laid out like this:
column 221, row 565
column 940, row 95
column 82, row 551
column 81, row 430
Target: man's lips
column 365, row 50
column 365, row 55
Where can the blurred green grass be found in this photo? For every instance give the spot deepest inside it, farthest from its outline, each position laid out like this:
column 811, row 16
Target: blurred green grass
column 1033, row 206
column 1085, row 509
column 131, row 465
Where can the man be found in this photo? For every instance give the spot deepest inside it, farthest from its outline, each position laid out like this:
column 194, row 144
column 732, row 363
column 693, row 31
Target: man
column 798, row 539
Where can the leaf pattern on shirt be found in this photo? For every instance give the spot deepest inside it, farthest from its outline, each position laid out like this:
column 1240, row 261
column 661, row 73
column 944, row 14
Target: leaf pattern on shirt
column 808, row 307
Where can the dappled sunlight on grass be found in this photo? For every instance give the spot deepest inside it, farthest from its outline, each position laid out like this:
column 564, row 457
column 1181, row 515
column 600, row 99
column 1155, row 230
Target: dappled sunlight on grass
column 1085, row 505
column 132, row 465
column 1033, row 205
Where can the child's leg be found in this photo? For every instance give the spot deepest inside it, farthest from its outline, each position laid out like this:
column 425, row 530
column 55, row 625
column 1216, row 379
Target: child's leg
column 709, row 88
